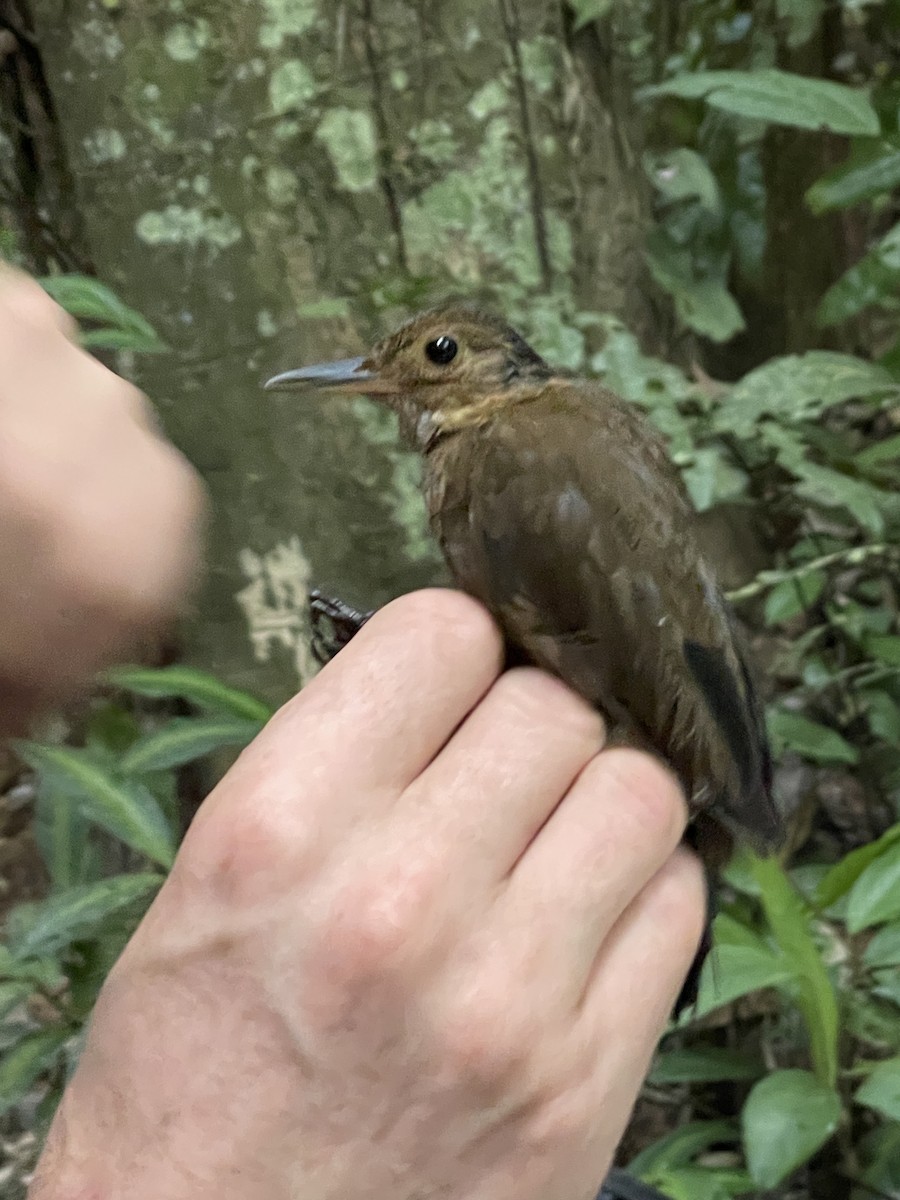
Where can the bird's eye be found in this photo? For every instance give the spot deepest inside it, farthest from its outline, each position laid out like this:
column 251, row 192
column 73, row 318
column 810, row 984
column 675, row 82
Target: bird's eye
column 442, row 350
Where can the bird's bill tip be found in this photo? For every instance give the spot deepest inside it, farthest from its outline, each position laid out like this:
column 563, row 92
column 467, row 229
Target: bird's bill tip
column 347, row 375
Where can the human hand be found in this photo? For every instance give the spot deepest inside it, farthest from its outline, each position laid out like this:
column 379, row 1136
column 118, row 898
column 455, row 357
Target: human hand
column 98, row 515
column 420, row 942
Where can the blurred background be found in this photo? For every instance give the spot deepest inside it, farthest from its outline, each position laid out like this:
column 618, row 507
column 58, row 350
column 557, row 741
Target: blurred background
column 694, row 200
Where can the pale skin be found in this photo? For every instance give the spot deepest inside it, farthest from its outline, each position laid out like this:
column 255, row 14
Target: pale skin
column 420, row 942
column 99, row 516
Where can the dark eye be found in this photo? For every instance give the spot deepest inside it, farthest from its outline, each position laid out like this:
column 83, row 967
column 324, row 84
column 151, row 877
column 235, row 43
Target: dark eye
column 442, row 350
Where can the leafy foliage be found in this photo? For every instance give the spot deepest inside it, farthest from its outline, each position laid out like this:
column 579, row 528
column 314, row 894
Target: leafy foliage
column 121, row 782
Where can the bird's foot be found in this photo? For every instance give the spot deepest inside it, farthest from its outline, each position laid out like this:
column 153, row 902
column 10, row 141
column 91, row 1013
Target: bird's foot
column 333, row 623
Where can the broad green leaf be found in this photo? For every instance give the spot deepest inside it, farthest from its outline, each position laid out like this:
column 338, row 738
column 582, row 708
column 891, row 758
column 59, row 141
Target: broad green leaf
column 843, row 875
column 879, row 453
column 40, row 972
column 881, row 1090
column 789, row 919
column 875, row 897
column 47, row 926
column 124, row 808
column 710, row 478
column 802, row 18
column 21, row 1065
column 778, row 97
column 875, row 172
column 732, row 971
column 884, row 948
column 683, row 174
column 884, row 649
column 874, row 280
column 793, row 596
column 800, row 387
column 787, row 1117
column 589, row 10
column 187, row 683
column 13, row 992
column 883, row 715
column 810, row 739
column 703, row 303
column 185, row 739
column 678, row 1149
column 702, row 1183
column 704, row 1064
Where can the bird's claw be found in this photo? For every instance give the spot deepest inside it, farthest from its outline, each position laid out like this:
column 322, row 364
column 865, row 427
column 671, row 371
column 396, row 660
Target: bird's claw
column 333, row 623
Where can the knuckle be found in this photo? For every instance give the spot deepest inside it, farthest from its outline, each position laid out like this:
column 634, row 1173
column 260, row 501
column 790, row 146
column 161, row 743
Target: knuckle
column 485, row 1039
column 647, row 791
column 539, row 699
column 375, row 921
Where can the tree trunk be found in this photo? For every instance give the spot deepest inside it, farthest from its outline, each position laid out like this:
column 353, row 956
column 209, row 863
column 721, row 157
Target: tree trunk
column 280, row 182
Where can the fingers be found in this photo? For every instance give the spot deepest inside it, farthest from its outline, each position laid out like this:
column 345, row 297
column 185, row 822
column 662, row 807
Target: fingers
column 483, row 799
column 23, row 300
column 616, row 828
column 341, row 752
column 648, row 953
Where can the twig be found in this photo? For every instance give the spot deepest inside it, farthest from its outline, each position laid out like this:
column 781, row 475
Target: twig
column 510, row 17
column 385, row 177
column 855, row 556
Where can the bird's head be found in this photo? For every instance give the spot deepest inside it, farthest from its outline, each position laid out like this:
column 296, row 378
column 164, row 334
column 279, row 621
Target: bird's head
column 446, row 368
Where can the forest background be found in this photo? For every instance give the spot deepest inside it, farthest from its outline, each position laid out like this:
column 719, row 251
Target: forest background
column 694, row 200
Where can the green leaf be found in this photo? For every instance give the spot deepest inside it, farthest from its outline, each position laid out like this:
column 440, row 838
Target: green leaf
column 678, row 1149
column 47, row 926
column 874, row 280
column 875, row 897
column 802, row 17
column 884, row 948
column 793, row 596
column 778, row 97
column 710, row 478
column 21, row 1065
column 185, row 739
column 884, row 649
column 122, row 339
column 704, row 1064
column 786, row 1118
column 187, row 683
column 124, row 808
column 810, row 739
column 683, row 174
column 702, row 1183
column 89, row 299
column 875, row 172
column 881, row 1090
column 12, row 994
column 789, row 919
column 800, row 387
column 732, row 971
column 843, row 875
column 702, row 302
column 589, row 10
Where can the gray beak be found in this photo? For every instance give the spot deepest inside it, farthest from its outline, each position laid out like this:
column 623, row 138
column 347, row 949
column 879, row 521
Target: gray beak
column 346, row 375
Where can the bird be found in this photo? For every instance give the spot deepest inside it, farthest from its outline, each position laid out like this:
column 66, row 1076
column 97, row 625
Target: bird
column 556, row 504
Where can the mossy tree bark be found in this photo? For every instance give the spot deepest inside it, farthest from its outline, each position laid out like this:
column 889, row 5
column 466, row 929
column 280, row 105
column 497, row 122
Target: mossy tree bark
column 279, row 182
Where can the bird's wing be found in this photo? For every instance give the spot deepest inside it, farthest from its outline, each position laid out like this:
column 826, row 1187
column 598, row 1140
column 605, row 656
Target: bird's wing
column 581, row 542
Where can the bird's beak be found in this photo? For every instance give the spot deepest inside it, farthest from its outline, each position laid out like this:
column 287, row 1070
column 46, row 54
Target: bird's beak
column 346, row 375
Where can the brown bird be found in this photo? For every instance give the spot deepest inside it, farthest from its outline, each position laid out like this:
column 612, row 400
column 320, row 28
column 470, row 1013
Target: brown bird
column 555, row 504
